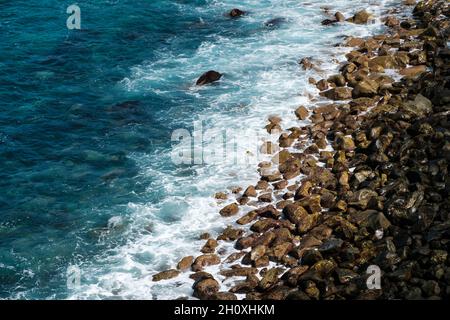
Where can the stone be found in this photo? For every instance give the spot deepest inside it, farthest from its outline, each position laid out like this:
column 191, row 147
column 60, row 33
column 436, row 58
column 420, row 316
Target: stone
column 338, row 93
column 229, row 210
column 361, row 17
column 210, row 246
column 230, row 234
column 365, row 88
column 339, row 17
column 204, row 261
column 234, row 13
column 269, row 279
column 413, row 72
column 302, row 113
column 208, row 77
column 204, row 289
column 250, row 192
column 185, row 263
column 164, row 275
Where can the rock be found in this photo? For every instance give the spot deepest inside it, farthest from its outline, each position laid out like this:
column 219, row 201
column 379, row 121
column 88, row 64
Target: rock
column 208, row 77
column 249, row 217
column 204, row 261
column 361, row 17
column 164, row 275
column 185, row 263
column 246, row 242
column 345, row 143
column 234, row 13
column 234, row 256
column 266, row 197
column 230, row 234
column 300, row 217
column 324, row 267
column 339, row 17
column 301, row 113
column 223, row 296
column 362, row 197
column 391, row 21
column 413, row 72
column 331, row 246
column 338, row 80
column 200, row 275
column 322, row 85
column 386, row 62
column 238, row 272
column 371, row 219
column 420, row 107
column 280, row 250
column 365, row 88
column 229, row 210
column 431, row 288
column 269, row 279
column 306, row 63
column 250, row 192
column 204, row 289
column 210, row 246
column 339, row 93
column 205, row 236
column 221, row 196
column 258, row 252
column 328, row 22
column 276, row 22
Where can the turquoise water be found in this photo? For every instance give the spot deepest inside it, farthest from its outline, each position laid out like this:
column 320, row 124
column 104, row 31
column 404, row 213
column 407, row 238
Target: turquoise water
column 86, row 118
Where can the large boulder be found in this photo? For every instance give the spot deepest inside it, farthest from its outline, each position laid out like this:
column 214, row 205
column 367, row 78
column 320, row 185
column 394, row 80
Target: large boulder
column 208, row 77
column 206, row 288
column 339, row 93
column 361, row 17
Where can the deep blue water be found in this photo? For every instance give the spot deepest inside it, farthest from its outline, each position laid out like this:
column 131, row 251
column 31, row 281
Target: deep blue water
column 86, row 118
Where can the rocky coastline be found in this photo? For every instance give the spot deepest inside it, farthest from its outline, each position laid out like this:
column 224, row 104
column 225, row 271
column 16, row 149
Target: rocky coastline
column 378, row 197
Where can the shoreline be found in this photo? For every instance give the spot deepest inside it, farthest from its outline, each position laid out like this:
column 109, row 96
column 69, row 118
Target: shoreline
column 351, row 210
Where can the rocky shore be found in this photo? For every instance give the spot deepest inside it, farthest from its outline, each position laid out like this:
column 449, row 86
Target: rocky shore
column 378, row 197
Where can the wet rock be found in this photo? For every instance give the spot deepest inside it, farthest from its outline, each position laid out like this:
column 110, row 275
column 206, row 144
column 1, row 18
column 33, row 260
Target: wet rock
column 204, row 261
column 234, row 13
column 249, row 217
column 386, row 62
column 234, row 256
column 266, row 197
column 229, row 210
column 206, row 288
column 269, row 279
column 331, row 246
column 365, row 88
column 361, row 17
column 164, row 275
column 250, row 192
column 246, row 242
column 413, row 72
column 230, row 234
column 301, row 113
column 185, row 263
column 238, row 272
column 210, row 246
column 361, row 198
column 208, row 77
column 371, row 219
column 339, row 17
column 338, row 79
column 322, row 85
column 338, row 93
column 221, row 196
column 420, row 107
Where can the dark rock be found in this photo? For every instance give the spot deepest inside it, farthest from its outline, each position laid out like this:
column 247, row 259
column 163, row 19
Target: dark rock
column 208, row 77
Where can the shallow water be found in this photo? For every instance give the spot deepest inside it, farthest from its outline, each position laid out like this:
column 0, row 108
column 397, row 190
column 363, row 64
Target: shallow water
column 86, row 118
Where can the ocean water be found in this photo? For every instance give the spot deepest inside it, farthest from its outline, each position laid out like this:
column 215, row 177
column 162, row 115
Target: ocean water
column 86, row 118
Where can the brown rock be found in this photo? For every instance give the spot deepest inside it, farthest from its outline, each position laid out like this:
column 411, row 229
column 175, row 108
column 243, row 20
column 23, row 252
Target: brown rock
column 164, row 275
column 361, row 17
column 210, row 246
column 413, row 72
column 230, row 234
column 339, row 17
column 365, row 88
column 250, row 192
column 221, row 196
column 269, row 279
column 229, row 210
column 204, row 261
column 185, row 263
column 223, row 296
column 338, row 93
column 302, row 113
column 204, row 289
